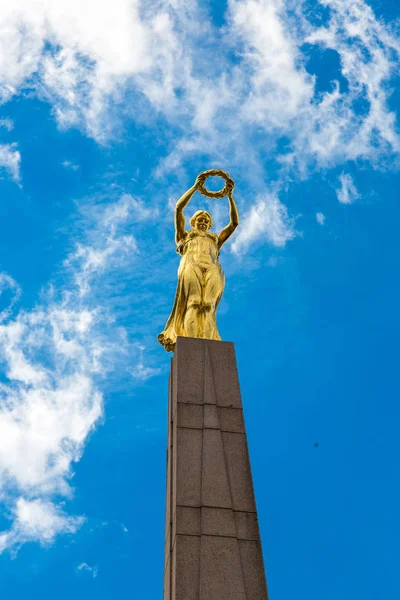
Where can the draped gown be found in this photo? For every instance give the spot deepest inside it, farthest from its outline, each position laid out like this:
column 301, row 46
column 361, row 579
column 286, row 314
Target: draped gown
column 201, row 283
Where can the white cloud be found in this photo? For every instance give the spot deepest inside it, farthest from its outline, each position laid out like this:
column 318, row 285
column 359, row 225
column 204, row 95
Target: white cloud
column 141, row 371
column 127, row 204
column 55, row 358
column 69, row 165
column 267, row 219
column 324, row 128
column 347, row 193
column 87, row 568
column 98, row 69
column 369, row 55
column 81, row 55
column 37, row 520
column 7, row 124
column 320, row 218
column 94, row 259
column 10, row 160
column 12, row 293
column 106, row 247
column 49, row 406
column 279, row 88
column 272, row 97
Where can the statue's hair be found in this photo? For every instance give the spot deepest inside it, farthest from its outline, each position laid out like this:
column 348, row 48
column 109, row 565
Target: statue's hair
column 197, row 214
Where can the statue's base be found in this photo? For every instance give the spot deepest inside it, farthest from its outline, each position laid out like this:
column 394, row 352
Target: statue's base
column 212, row 540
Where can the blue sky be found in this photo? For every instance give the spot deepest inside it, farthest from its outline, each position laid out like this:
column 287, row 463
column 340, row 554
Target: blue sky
column 107, row 116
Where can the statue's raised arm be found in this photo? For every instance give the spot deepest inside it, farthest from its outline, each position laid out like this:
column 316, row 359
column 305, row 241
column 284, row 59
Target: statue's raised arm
column 201, row 280
column 180, row 205
column 233, row 223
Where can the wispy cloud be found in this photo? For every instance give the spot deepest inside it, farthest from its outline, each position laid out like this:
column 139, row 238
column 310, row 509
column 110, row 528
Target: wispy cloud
column 141, row 371
column 37, row 520
column 84, row 65
column 320, row 218
column 347, row 193
column 146, row 62
column 10, row 160
column 10, row 293
column 70, row 165
column 7, row 124
column 369, row 53
column 55, row 358
column 93, row 571
column 268, row 218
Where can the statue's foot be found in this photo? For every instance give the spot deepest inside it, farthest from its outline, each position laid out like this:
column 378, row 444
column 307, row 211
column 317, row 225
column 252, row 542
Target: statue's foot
column 168, row 344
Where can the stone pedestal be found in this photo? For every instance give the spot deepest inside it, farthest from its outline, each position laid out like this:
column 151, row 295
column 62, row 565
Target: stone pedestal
column 212, row 540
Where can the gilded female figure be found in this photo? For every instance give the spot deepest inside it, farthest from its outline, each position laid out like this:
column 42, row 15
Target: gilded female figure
column 201, row 280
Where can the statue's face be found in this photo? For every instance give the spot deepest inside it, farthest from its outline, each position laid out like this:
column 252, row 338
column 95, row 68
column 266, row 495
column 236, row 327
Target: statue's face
column 202, row 223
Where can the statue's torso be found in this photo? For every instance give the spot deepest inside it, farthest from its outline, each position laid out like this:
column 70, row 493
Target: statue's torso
column 200, row 248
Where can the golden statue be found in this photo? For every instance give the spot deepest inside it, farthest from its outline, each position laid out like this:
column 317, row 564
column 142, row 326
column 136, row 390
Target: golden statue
column 201, row 280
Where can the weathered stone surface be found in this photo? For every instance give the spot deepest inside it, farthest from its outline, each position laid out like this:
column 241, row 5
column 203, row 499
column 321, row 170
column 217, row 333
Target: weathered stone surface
column 231, row 419
column 167, row 578
column 186, row 566
column 212, row 542
column 168, row 546
column 188, row 520
column 220, row 572
column 215, row 487
column 246, row 526
column 211, row 418
column 189, row 444
column 252, row 569
column 189, row 372
column 226, row 380
column 217, row 521
column 210, row 396
column 239, row 473
column 190, row 415
column 168, row 501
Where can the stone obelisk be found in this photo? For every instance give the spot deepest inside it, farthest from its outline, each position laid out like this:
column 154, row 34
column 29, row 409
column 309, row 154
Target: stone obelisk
column 212, row 539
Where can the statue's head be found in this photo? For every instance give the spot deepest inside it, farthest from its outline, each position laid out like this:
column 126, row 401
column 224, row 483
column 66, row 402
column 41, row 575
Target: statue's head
column 201, row 220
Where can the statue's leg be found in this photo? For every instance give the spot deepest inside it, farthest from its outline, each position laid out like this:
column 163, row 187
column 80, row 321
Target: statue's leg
column 192, row 320
column 214, row 283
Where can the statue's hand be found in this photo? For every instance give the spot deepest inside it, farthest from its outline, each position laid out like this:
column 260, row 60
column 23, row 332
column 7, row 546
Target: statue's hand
column 230, row 184
column 200, row 179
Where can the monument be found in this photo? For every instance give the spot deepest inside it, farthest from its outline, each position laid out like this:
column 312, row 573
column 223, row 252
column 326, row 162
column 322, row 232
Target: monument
column 212, row 540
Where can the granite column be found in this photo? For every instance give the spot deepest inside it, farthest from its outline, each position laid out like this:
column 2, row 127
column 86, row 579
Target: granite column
column 212, row 539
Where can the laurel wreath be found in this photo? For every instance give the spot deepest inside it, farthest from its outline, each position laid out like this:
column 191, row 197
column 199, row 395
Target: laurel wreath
column 229, row 185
